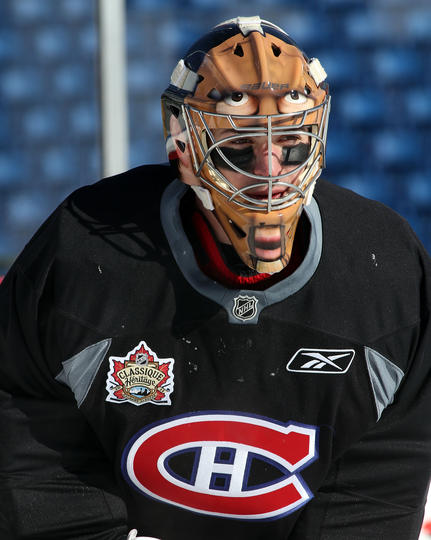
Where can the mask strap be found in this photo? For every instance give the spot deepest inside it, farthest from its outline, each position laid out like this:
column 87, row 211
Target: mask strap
column 204, row 196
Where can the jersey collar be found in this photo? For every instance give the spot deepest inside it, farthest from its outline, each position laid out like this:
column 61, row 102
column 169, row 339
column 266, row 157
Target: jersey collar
column 242, row 305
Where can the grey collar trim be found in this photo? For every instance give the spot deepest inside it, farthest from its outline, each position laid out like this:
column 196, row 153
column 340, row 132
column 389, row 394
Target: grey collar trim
column 242, row 306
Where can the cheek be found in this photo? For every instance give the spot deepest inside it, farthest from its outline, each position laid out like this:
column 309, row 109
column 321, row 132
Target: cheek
column 292, row 179
column 236, row 179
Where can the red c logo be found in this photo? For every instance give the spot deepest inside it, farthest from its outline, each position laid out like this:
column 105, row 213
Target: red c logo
column 223, row 447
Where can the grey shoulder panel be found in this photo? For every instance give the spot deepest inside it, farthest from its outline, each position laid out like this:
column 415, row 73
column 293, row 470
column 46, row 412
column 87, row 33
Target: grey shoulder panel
column 385, row 379
column 242, row 306
column 79, row 371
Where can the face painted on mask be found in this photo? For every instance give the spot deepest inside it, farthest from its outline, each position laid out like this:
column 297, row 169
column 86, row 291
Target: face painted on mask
column 251, row 134
column 245, row 159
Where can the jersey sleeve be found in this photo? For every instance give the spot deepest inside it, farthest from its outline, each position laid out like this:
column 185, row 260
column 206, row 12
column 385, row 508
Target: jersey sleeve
column 56, row 481
column 378, row 487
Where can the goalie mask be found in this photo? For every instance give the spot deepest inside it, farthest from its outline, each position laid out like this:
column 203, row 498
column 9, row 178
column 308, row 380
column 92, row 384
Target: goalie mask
column 246, row 118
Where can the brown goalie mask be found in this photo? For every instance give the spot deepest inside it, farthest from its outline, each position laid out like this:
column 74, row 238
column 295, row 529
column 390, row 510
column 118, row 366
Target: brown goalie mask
column 246, row 116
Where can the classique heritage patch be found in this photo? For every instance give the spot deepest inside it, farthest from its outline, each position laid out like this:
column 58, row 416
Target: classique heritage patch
column 140, row 377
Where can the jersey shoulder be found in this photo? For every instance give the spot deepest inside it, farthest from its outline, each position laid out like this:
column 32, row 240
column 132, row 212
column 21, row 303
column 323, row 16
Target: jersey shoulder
column 333, row 196
column 100, row 221
column 116, row 199
column 359, row 218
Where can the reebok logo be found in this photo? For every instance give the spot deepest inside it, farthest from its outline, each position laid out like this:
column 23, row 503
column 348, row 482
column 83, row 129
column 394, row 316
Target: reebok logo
column 328, row 361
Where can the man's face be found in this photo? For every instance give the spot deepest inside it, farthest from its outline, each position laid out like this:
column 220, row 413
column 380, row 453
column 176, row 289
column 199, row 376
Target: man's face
column 257, row 152
column 257, row 156
column 268, row 159
column 251, row 140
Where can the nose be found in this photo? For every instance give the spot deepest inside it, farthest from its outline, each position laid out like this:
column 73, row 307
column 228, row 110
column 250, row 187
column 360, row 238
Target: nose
column 267, row 164
column 268, row 105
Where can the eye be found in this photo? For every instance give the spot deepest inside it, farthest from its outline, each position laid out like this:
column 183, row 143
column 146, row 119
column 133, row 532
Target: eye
column 244, row 140
column 236, row 99
column 295, row 97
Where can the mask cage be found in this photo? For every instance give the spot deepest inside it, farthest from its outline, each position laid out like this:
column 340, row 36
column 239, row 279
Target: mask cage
column 311, row 167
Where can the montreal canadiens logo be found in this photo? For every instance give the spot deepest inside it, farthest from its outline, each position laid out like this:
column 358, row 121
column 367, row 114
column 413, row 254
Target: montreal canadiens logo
column 222, row 464
column 140, row 378
column 244, row 307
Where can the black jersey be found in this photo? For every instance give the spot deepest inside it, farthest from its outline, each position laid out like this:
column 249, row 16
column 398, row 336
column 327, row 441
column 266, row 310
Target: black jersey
column 137, row 392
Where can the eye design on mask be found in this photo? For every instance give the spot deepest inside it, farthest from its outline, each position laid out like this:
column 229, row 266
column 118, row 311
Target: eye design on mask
column 236, row 99
column 244, row 158
column 295, row 97
column 297, row 154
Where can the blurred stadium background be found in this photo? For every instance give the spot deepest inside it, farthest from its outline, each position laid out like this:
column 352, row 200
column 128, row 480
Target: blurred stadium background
column 377, row 54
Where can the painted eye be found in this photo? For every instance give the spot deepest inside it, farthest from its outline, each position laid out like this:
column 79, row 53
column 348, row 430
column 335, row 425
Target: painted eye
column 236, row 99
column 295, row 97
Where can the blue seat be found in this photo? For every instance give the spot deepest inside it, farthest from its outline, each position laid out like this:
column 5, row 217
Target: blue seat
column 400, row 148
column 418, row 188
column 72, row 80
column 10, row 45
column 368, row 27
column 30, row 10
column 84, row 119
column 371, row 185
column 42, row 122
column 302, row 25
column 341, row 65
column 13, row 169
column 52, row 43
column 146, row 150
column 397, row 64
column 87, row 40
column 178, row 35
column 151, row 112
column 60, row 164
column 75, row 10
column 418, row 24
column 150, row 6
column 142, row 76
column 21, row 84
column 27, row 209
column 344, row 4
column 362, row 106
column 343, row 149
column 417, row 103
column 388, row 4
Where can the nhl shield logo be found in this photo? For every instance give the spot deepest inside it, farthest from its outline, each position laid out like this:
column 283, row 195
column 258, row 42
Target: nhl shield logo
column 244, row 307
column 140, row 378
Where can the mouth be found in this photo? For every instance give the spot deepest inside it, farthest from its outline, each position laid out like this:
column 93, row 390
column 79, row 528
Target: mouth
column 262, row 194
column 268, row 255
column 267, row 243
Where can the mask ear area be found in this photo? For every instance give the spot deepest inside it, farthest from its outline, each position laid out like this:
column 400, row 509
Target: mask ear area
column 181, row 145
column 178, row 140
column 187, row 174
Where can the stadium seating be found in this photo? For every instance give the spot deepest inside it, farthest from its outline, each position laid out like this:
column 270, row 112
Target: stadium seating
column 376, row 53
